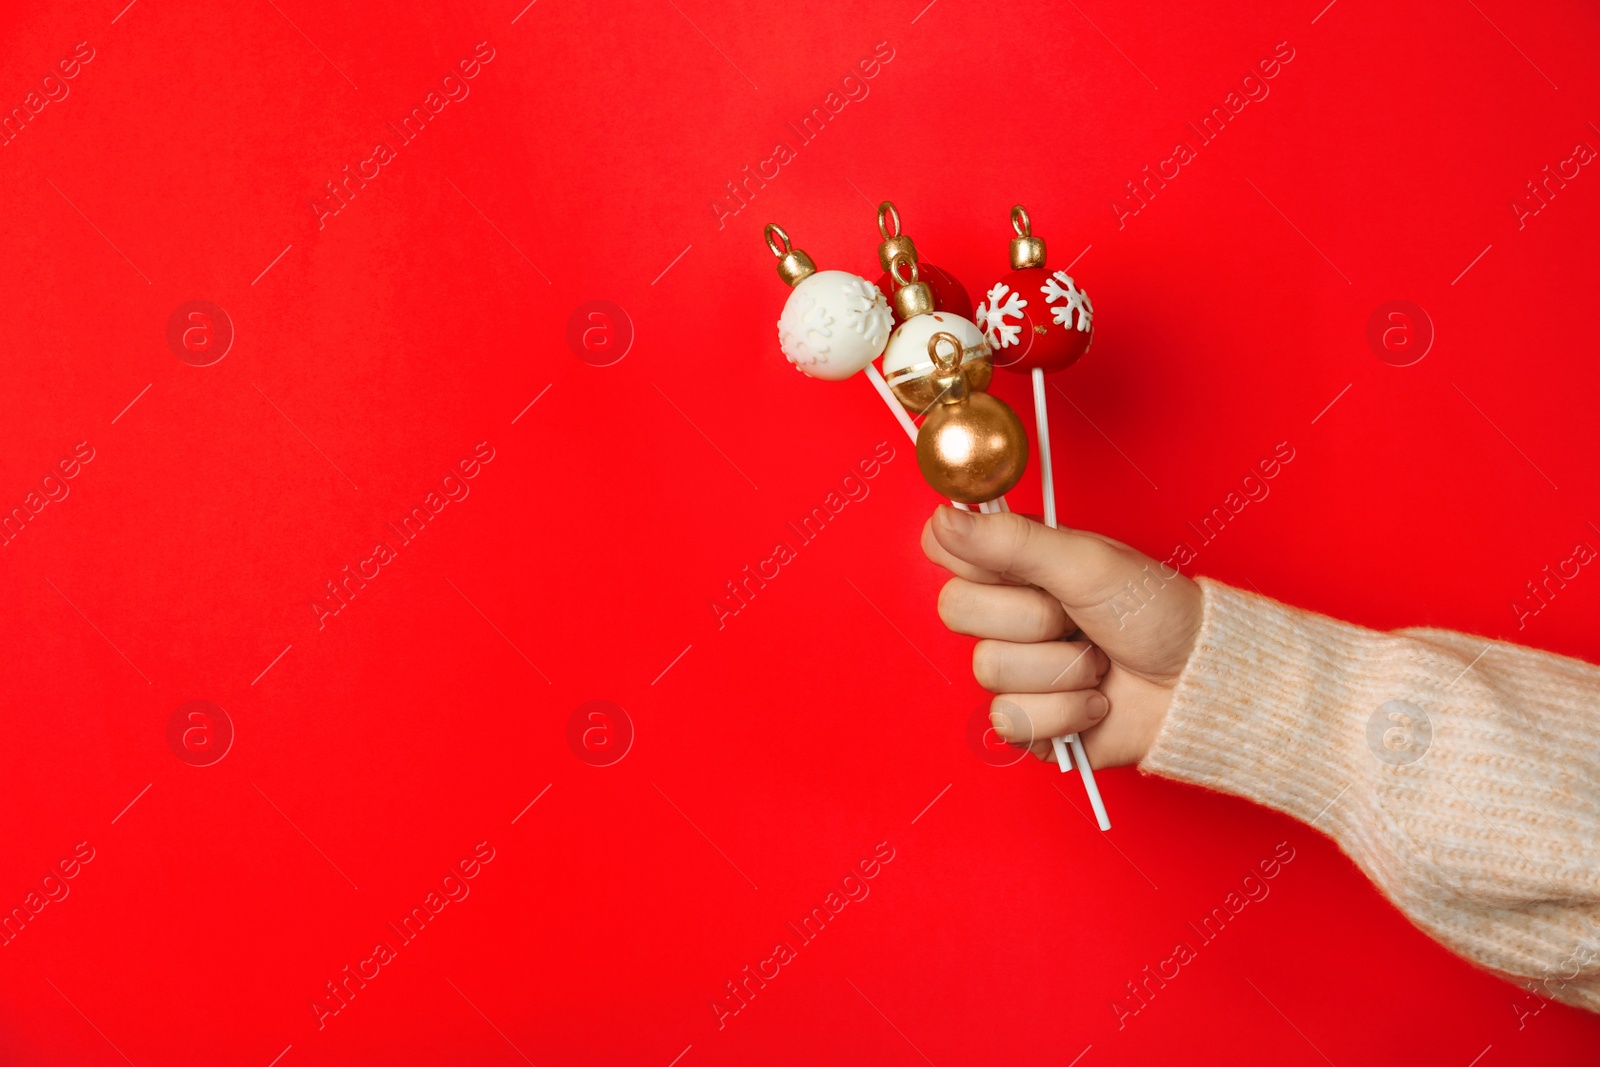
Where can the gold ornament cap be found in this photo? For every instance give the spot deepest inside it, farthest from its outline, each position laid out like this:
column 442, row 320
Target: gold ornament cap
column 911, row 297
column 915, row 384
column 1026, row 249
column 947, row 372
column 794, row 266
column 895, row 242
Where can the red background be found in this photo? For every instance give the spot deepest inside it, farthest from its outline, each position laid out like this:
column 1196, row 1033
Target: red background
column 823, row 718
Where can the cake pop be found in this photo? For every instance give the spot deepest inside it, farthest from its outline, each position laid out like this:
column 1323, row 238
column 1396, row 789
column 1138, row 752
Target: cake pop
column 1035, row 318
column 972, row 446
column 834, row 322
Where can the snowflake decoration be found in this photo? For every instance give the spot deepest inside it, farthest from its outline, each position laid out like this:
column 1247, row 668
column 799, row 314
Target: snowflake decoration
column 804, row 331
column 991, row 316
column 1076, row 299
column 867, row 312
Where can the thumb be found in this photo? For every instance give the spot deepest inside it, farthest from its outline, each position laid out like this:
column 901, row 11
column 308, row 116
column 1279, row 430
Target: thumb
column 1141, row 613
column 1080, row 569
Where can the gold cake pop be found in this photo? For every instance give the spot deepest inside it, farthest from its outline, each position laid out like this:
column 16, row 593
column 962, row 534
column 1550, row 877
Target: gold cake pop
column 971, row 447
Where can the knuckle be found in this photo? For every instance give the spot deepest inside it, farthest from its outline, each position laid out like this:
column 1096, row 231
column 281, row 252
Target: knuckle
column 1018, row 534
column 1094, row 667
column 1069, row 675
column 1040, row 619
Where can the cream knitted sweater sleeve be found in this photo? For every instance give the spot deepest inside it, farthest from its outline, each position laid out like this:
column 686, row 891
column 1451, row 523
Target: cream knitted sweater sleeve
column 1461, row 774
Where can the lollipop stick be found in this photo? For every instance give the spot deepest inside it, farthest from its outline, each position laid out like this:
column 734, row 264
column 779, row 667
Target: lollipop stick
column 876, row 378
column 1041, row 416
column 1047, row 479
column 1089, row 786
column 1063, row 759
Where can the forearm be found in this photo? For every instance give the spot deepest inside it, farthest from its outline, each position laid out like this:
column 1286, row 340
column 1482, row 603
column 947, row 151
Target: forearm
column 1462, row 775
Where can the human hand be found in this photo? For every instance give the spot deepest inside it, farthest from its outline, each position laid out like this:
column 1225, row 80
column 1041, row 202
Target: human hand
column 1022, row 588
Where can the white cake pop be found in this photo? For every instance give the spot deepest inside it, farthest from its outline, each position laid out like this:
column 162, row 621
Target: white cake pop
column 835, row 323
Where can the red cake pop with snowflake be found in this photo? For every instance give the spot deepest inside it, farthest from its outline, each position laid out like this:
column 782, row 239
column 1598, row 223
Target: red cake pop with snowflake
column 1035, row 318
column 949, row 295
column 1037, row 321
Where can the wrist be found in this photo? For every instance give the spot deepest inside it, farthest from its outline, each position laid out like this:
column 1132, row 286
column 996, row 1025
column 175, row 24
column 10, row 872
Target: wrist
column 1266, row 704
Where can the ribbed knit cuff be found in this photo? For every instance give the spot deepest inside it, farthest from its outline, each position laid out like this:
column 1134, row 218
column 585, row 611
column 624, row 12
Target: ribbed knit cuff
column 1265, row 708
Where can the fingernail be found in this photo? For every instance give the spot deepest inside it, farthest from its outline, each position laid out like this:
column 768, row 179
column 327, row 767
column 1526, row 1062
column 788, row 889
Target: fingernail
column 957, row 521
column 1098, row 706
column 1001, row 726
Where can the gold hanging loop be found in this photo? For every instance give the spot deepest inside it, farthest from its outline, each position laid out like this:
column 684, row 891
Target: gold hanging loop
column 1020, row 221
column 895, row 242
column 1026, row 249
column 794, row 266
column 771, row 230
column 945, row 365
column 889, row 220
column 911, row 297
column 903, row 261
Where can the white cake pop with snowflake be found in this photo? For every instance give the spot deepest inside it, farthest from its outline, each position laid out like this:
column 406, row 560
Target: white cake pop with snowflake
column 834, row 323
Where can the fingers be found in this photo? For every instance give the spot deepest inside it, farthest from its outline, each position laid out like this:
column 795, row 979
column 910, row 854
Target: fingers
column 954, row 564
column 1006, row 612
column 1034, row 718
column 1042, row 667
column 1043, row 750
column 1078, row 567
column 1143, row 613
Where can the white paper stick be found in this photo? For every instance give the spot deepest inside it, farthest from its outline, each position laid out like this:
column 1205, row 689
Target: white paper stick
column 1041, row 415
column 876, row 378
column 911, row 427
column 1089, row 785
column 1047, row 481
column 887, row 394
column 1041, row 418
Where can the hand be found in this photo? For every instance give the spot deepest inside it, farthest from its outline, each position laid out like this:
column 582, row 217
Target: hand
column 1130, row 624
